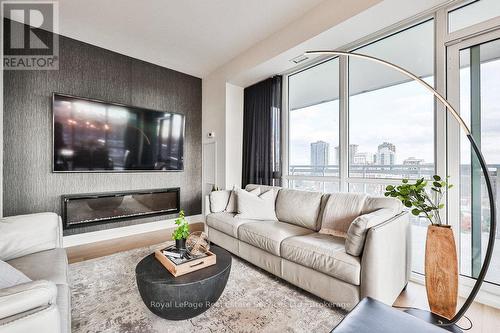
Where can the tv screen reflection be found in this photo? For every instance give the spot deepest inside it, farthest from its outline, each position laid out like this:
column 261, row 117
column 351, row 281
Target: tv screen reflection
column 94, row 136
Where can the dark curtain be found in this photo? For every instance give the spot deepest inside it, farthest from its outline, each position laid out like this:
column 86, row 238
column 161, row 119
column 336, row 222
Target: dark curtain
column 261, row 133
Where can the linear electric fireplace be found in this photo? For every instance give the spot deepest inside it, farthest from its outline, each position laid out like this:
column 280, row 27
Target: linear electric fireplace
column 82, row 209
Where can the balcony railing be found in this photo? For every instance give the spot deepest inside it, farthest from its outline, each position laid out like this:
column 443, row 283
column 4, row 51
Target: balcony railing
column 372, row 170
column 383, row 171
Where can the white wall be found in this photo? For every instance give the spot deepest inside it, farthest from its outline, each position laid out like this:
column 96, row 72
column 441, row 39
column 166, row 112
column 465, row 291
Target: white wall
column 234, row 135
column 213, row 120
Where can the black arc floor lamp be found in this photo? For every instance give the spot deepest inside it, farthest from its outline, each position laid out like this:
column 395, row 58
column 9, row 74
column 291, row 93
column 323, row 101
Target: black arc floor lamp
column 448, row 324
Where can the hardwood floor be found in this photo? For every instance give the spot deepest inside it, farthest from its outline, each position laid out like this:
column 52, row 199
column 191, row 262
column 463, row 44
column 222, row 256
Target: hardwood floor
column 485, row 319
column 104, row 248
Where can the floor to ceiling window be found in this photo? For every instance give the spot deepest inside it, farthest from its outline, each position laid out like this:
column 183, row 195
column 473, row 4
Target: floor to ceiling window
column 313, row 129
column 480, row 108
column 391, row 118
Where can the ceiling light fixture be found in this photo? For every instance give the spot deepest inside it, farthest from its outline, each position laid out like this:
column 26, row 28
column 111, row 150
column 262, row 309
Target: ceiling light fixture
column 299, row 59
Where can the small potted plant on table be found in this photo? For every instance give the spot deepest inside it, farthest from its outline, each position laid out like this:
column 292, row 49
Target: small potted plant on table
column 181, row 233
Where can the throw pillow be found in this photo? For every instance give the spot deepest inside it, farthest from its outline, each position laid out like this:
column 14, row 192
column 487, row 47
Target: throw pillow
column 11, row 276
column 340, row 211
column 219, row 200
column 358, row 230
column 231, row 205
column 254, row 205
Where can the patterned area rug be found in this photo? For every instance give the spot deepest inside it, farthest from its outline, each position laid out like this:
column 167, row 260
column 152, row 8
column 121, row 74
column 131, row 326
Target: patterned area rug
column 105, row 299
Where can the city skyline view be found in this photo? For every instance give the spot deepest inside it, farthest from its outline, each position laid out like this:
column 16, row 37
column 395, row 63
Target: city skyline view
column 320, row 155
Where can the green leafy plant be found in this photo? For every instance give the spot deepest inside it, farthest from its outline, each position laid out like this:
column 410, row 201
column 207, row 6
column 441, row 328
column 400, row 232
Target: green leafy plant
column 415, row 196
column 182, row 230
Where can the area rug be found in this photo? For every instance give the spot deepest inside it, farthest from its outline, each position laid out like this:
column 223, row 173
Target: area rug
column 105, row 299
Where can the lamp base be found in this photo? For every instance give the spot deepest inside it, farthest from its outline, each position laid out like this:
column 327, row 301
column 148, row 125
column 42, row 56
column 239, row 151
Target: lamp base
column 434, row 319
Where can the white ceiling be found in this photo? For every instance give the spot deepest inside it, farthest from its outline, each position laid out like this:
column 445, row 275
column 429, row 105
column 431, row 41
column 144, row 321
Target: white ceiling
column 191, row 36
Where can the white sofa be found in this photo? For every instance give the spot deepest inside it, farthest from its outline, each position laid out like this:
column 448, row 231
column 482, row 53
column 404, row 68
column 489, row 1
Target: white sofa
column 294, row 249
column 33, row 245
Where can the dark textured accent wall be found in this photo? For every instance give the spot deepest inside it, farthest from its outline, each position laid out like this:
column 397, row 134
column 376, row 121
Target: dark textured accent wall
column 89, row 71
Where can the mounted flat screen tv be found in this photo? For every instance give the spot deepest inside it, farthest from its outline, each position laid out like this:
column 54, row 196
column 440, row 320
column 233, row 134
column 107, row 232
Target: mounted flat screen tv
column 95, row 136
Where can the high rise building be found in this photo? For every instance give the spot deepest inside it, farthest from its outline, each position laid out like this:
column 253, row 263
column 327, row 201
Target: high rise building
column 353, row 150
column 386, row 154
column 363, row 158
column 413, row 163
column 319, row 155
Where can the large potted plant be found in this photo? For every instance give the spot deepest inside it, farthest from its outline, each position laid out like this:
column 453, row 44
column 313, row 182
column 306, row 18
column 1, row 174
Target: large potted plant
column 441, row 265
column 181, row 233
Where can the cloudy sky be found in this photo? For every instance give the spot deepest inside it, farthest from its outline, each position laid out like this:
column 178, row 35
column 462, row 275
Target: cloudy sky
column 401, row 114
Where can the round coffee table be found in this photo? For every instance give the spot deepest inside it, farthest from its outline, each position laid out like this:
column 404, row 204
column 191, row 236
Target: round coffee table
column 185, row 296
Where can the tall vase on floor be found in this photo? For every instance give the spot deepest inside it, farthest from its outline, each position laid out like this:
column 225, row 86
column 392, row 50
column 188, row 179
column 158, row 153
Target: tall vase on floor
column 441, row 270
column 441, row 265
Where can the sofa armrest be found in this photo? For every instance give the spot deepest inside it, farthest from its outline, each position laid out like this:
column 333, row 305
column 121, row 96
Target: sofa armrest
column 26, row 297
column 30, row 307
column 25, row 234
column 385, row 262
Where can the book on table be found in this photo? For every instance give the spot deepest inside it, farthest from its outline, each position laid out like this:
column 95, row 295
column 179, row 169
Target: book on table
column 181, row 262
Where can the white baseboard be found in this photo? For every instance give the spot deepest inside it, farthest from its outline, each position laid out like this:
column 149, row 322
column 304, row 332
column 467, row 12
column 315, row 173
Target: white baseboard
column 101, row 235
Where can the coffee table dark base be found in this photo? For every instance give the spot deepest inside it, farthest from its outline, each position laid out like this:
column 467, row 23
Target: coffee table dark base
column 186, row 296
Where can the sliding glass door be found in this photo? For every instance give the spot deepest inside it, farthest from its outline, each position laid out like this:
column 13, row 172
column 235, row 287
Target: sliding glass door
column 474, row 86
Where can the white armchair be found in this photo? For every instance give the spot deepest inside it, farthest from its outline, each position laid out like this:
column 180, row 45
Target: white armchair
column 33, row 244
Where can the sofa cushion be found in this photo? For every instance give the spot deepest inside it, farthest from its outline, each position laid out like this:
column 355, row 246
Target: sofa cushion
column 268, row 235
column 226, row 222
column 219, row 200
column 10, row 276
column 299, row 207
column 356, row 234
column 50, row 265
column 255, row 206
column 339, row 212
column 323, row 253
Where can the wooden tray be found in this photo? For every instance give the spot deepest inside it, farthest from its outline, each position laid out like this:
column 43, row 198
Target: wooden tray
column 187, row 267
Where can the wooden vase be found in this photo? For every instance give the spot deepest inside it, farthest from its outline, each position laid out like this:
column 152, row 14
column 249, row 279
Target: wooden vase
column 441, row 270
